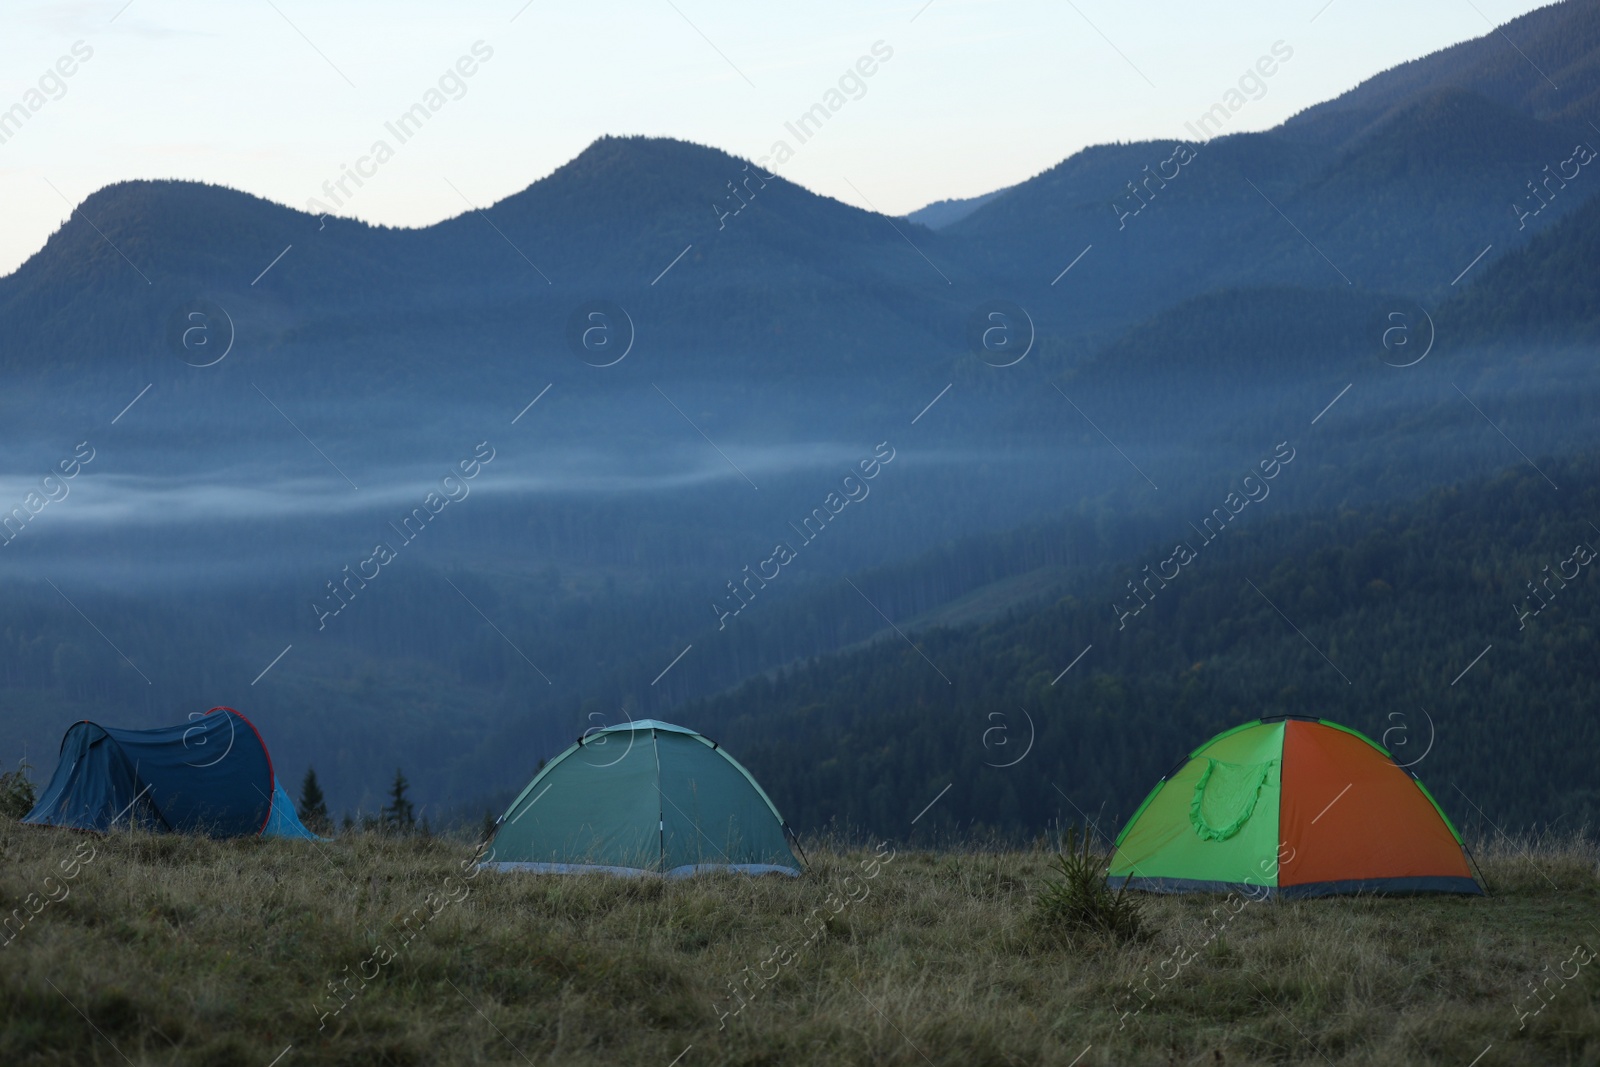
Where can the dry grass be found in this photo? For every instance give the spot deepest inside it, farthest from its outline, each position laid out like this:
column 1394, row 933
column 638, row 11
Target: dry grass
column 168, row 950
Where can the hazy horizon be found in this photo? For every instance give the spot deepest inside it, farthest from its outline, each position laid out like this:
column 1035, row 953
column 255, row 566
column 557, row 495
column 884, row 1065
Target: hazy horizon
column 278, row 102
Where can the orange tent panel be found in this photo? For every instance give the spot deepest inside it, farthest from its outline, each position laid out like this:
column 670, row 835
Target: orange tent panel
column 1350, row 813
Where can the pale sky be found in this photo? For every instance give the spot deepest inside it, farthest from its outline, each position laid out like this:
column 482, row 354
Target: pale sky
column 274, row 96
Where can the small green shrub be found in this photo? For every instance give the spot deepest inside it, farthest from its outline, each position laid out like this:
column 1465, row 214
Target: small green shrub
column 1081, row 902
column 17, row 796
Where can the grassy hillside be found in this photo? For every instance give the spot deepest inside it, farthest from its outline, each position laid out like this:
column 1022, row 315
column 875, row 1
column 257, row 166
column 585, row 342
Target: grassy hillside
column 171, row 950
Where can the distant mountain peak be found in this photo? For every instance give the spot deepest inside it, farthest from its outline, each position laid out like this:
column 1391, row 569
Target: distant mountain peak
column 942, row 213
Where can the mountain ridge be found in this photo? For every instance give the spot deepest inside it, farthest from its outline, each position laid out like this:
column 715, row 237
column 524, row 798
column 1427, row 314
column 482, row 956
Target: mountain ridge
column 681, row 232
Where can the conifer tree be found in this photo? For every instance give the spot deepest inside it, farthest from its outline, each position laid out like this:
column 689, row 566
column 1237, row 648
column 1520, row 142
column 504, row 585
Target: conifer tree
column 313, row 806
column 398, row 815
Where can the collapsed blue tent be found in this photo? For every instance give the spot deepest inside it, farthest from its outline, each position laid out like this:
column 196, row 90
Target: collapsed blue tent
column 211, row 775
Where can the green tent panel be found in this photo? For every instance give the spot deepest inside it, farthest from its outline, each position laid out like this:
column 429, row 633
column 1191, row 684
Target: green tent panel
column 1235, row 825
column 644, row 797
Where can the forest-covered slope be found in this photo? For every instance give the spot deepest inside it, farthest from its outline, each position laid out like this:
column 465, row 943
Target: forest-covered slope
column 1416, row 623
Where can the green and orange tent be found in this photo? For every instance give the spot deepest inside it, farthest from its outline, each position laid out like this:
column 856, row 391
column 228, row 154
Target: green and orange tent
column 1291, row 806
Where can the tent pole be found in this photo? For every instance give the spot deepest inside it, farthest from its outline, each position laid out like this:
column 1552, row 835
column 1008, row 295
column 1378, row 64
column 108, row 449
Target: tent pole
column 796, row 839
column 1475, row 866
column 661, row 813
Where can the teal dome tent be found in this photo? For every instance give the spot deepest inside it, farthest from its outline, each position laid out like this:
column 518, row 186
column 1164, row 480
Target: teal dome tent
column 643, row 798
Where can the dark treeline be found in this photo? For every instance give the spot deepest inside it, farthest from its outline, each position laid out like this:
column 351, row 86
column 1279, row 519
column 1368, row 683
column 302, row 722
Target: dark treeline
column 1367, row 617
column 410, row 673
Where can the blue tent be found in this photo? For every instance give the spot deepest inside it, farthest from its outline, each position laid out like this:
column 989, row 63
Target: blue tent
column 211, row 775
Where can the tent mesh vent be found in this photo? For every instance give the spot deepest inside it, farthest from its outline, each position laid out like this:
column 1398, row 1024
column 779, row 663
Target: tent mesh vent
column 1225, row 797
